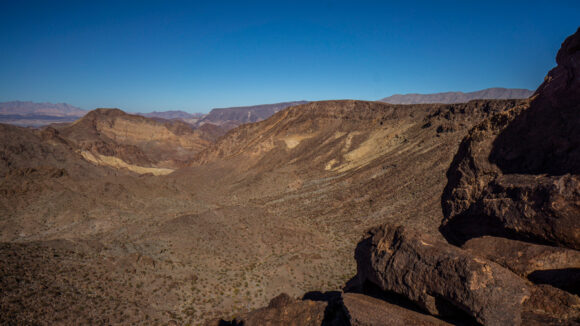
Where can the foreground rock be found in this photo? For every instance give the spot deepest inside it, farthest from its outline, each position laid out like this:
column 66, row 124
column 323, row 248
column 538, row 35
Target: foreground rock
column 282, row 311
column 557, row 266
column 362, row 310
column 550, row 306
column 440, row 277
column 516, row 174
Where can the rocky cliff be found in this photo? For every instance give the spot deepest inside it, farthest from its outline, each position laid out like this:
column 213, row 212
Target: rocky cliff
column 516, row 174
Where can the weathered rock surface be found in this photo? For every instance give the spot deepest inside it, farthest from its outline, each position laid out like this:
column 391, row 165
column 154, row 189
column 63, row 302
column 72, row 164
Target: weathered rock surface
column 516, row 174
column 549, row 305
column 439, row 277
column 362, row 310
column 282, row 311
column 557, row 266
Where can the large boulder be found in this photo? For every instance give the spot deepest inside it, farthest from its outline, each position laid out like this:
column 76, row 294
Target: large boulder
column 439, row 277
column 557, row 266
column 282, row 311
column 551, row 306
column 516, row 174
column 363, row 310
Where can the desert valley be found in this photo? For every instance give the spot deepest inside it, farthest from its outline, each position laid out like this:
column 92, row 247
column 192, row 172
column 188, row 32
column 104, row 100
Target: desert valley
column 442, row 209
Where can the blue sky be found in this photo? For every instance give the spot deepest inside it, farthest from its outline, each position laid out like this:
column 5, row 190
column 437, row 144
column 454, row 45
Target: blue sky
column 194, row 55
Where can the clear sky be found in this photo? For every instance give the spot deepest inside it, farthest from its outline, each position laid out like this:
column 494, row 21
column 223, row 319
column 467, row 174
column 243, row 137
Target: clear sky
column 194, row 55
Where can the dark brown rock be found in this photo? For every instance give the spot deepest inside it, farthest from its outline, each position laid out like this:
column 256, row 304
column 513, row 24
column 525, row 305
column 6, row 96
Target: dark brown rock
column 549, row 305
column 557, row 266
column 516, row 174
column 437, row 275
column 364, row 310
column 546, row 138
column 282, row 311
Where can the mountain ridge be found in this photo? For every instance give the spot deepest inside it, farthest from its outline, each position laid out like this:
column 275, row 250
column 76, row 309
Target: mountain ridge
column 32, row 114
column 25, row 108
column 459, row 97
column 234, row 116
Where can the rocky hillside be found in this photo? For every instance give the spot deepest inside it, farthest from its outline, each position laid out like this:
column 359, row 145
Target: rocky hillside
column 459, row 97
column 280, row 206
column 115, row 138
column 510, row 254
column 272, row 206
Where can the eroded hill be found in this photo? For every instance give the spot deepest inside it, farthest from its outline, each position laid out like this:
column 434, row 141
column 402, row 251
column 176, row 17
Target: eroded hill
column 114, row 138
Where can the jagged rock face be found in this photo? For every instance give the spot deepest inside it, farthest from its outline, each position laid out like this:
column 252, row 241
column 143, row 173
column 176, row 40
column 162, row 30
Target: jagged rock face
column 516, row 174
column 561, row 86
column 439, row 277
column 546, row 137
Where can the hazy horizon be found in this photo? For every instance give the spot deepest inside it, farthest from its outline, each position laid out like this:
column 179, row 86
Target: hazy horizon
column 144, row 56
column 161, row 110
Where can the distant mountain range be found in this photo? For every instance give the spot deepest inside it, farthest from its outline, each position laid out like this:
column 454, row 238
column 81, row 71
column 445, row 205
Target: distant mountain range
column 235, row 116
column 40, row 109
column 31, row 114
column 227, row 118
column 172, row 115
column 191, row 118
column 459, row 97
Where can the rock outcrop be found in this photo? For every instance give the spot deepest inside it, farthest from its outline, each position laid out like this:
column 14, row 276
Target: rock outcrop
column 550, row 306
column 439, row 277
column 517, row 174
column 557, row 266
column 363, row 310
column 282, row 311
